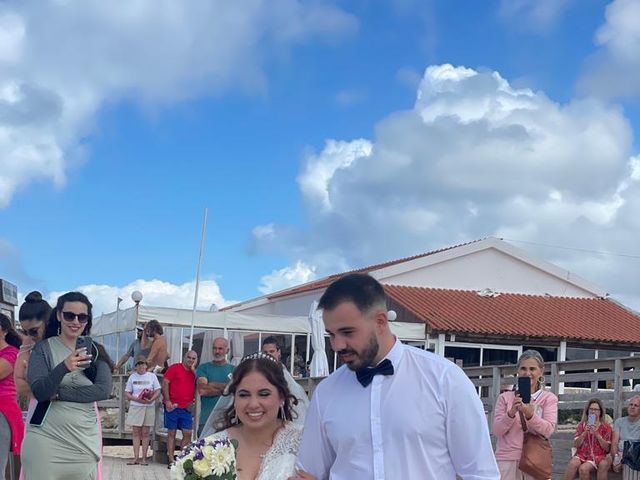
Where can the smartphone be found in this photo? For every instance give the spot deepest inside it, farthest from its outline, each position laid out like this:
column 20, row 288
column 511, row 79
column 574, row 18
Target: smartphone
column 40, row 413
column 85, row 342
column 524, row 389
column 591, row 419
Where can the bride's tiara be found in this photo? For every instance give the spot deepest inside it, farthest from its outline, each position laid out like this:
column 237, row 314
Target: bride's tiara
column 258, row 355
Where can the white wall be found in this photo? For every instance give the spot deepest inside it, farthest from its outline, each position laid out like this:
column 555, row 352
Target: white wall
column 296, row 305
column 488, row 268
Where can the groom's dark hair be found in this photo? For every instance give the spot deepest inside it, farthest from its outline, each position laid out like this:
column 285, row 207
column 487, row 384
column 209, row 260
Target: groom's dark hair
column 361, row 289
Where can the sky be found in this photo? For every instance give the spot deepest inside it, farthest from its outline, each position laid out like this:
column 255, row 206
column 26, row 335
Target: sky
column 321, row 136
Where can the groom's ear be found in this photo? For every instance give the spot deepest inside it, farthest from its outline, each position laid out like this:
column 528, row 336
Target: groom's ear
column 380, row 318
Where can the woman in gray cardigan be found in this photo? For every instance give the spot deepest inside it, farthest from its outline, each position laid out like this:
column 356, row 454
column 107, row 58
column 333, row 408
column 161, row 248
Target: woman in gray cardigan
column 66, row 444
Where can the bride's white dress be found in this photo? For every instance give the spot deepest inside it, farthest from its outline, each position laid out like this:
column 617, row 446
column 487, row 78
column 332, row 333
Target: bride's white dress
column 280, row 460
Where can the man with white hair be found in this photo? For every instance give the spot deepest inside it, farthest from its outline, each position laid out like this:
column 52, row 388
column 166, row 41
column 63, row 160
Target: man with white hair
column 626, row 429
column 212, row 377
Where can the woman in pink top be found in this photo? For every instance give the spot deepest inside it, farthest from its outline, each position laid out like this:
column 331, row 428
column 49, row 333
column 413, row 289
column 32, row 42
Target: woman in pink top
column 11, row 424
column 541, row 415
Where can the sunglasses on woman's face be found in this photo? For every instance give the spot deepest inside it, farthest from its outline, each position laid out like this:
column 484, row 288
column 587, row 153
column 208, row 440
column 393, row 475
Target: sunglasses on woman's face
column 70, row 317
column 32, row 332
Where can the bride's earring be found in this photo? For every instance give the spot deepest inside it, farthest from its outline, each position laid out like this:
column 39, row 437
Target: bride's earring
column 282, row 412
column 234, row 418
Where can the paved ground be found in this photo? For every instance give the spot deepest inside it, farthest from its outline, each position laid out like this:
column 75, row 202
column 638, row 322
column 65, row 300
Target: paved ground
column 116, row 468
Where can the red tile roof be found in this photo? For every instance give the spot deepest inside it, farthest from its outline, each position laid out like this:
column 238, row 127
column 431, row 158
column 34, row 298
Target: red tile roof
column 459, row 311
column 325, row 281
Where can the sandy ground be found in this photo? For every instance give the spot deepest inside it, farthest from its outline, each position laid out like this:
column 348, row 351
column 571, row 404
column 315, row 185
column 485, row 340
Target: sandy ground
column 120, row 451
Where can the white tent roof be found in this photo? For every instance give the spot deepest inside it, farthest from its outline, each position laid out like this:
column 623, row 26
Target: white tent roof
column 125, row 320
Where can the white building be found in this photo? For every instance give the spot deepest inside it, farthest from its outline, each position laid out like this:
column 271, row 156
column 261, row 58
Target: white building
column 483, row 302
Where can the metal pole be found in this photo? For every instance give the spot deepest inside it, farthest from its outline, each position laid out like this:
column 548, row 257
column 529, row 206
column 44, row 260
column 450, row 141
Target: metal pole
column 117, row 326
column 195, row 296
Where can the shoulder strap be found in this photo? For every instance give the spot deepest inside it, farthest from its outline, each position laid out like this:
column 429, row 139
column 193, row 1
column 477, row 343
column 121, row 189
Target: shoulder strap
column 523, row 422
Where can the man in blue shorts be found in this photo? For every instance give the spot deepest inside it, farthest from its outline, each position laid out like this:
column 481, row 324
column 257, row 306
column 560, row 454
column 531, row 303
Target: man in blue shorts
column 179, row 392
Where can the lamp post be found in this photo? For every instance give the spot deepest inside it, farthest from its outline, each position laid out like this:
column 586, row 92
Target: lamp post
column 136, row 296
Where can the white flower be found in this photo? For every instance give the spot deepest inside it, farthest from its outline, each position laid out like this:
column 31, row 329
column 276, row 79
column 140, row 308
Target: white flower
column 202, row 467
column 222, row 459
column 208, row 452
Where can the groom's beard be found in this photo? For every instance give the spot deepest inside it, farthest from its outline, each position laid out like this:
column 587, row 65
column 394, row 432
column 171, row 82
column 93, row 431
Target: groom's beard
column 365, row 357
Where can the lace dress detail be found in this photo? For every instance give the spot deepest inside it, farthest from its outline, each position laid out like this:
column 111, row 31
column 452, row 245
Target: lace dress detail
column 280, row 460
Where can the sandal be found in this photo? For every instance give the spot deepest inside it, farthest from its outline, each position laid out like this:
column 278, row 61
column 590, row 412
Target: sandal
column 133, row 462
column 143, row 463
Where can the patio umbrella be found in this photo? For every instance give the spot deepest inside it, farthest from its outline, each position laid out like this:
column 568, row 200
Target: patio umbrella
column 319, row 362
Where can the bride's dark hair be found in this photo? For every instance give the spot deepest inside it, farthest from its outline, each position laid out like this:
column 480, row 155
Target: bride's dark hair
column 271, row 369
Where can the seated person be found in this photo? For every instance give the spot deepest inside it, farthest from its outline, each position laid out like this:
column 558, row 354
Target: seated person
column 625, row 429
column 592, row 442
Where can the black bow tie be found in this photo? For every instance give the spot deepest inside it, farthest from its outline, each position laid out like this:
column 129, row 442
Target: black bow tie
column 365, row 375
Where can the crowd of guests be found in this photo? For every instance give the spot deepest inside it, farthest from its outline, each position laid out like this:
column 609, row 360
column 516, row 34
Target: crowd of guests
column 366, row 420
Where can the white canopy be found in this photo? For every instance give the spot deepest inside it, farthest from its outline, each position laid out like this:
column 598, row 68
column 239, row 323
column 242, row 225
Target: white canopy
column 125, row 321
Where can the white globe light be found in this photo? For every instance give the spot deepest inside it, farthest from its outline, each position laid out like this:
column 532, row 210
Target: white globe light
column 136, row 296
column 392, row 315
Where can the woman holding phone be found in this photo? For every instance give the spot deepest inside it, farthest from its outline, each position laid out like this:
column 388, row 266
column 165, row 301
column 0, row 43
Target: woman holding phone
column 66, row 381
column 592, row 442
column 540, row 414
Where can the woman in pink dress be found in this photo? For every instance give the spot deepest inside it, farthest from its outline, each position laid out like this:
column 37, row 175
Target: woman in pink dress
column 11, row 424
column 592, row 442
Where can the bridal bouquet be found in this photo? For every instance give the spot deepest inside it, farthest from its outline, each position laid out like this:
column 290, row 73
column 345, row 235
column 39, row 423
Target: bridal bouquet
column 206, row 459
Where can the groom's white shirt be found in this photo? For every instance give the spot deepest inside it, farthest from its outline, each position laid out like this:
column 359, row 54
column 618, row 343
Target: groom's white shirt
column 424, row 422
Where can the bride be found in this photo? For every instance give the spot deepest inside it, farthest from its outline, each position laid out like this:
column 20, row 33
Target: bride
column 260, row 419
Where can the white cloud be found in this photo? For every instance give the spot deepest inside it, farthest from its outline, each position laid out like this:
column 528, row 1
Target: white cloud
column 287, row 277
column 319, row 170
column 60, row 62
column 614, row 71
column 156, row 293
column 474, row 157
column 538, row 15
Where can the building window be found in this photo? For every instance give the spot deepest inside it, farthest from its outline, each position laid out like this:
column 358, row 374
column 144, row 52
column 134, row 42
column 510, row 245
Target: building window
column 494, row 356
column 463, row 356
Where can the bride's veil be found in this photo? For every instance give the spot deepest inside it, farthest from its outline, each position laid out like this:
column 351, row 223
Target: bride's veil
column 215, row 421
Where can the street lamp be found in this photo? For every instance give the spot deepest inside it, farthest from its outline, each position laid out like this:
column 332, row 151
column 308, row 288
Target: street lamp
column 136, row 296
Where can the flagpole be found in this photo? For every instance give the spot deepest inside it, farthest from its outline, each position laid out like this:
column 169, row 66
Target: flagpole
column 195, row 296
column 118, row 327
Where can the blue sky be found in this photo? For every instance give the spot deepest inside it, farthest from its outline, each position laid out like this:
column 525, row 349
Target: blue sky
column 114, row 140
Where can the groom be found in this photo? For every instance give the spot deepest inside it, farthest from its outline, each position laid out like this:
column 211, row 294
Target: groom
column 392, row 411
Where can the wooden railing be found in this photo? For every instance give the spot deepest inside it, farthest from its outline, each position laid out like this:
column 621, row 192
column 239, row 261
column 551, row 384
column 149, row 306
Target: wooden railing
column 489, row 381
